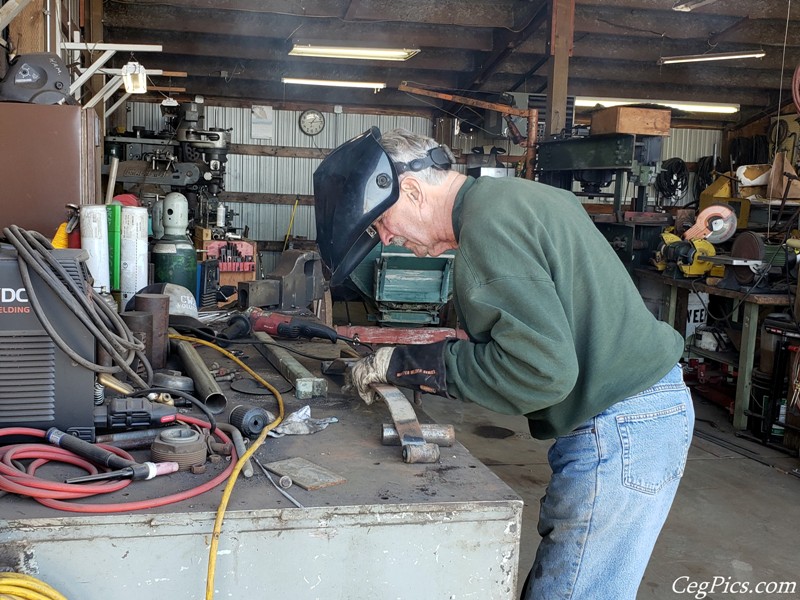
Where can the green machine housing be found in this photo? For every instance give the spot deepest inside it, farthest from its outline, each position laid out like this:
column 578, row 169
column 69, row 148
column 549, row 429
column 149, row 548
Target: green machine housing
column 402, row 289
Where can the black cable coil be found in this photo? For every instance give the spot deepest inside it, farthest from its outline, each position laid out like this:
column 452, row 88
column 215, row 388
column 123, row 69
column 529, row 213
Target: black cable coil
column 672, row 182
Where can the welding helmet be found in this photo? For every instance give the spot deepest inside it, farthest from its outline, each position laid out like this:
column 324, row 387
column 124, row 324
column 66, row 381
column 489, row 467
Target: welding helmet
column 353, row 186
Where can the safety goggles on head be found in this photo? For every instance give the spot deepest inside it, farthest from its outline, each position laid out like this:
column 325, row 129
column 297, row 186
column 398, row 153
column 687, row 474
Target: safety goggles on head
column 439, row 158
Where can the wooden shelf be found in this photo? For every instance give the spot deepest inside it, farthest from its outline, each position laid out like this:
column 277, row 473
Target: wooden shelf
column 728, row 358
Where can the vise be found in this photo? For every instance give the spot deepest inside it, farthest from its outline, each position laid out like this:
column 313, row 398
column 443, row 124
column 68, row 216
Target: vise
column 296, row 281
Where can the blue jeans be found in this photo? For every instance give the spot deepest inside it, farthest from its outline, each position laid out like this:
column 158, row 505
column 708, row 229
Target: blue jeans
column 614, row 479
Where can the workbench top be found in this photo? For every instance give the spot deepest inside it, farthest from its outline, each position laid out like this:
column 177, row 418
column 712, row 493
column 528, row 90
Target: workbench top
column 455, row 513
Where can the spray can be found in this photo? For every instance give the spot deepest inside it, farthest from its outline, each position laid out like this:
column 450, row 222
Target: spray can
column 94, row 239
column 221, row 215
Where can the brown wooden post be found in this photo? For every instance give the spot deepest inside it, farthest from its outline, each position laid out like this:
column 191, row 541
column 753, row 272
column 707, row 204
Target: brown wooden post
column 562, row 25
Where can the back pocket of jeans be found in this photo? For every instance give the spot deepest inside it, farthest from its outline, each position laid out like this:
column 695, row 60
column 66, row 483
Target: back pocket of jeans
column 654, row 447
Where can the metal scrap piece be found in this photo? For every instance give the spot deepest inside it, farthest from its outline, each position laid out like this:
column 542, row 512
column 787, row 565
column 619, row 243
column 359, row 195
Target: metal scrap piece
column 415, row 448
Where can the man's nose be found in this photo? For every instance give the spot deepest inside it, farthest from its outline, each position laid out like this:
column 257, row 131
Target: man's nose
column 386, row 237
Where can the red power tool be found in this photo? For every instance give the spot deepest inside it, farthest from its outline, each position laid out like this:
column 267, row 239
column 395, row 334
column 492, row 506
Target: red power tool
column 291, row 327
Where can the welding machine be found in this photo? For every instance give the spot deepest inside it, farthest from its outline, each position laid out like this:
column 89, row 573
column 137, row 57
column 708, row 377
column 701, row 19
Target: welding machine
column 40, row 385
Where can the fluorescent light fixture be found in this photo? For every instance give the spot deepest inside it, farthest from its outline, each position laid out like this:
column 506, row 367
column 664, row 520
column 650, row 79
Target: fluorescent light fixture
column 671, row 60
column 688, row 5
column 705, row 107
column 370, row 85
column 320, row 50
column 134, row 77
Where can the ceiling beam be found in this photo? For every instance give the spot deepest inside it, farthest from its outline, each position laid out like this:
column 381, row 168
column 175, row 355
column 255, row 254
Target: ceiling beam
column 236, row 71
column 765, row 9
column 442, row 16
column 251, row 48
column 679, row 26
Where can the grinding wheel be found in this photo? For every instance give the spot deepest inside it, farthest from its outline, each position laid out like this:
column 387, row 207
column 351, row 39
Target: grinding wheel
column 749, row 246
column 717, row 224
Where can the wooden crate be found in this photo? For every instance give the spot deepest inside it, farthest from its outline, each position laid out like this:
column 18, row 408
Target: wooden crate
column 201, row 234
column 627, row 119
column 234, row 277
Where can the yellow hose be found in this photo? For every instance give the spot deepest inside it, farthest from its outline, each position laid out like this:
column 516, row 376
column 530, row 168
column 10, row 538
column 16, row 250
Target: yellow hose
column 24, row 587
column 226, row 494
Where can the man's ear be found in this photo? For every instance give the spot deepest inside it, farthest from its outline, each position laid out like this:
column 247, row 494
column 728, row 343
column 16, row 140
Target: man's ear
column 412, row 187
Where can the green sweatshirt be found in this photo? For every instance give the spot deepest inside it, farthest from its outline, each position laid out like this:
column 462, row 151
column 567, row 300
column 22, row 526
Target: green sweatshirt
column 557, row 329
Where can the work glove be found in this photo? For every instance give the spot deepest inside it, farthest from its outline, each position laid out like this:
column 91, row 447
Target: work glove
column 419, row 367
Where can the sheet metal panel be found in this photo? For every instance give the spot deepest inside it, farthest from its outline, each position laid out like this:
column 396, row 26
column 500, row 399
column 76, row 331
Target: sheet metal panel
column 436, row 550
column 691, row 144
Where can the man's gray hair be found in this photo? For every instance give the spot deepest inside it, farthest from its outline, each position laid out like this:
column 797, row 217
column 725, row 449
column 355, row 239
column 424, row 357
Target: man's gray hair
column 402, row 146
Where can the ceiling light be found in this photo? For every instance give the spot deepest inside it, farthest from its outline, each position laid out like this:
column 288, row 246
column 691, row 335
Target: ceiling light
column 704, row 107
column 353, row 52
column 688, row 5
column 370, row 85
column 671, row 60
column 134, row 77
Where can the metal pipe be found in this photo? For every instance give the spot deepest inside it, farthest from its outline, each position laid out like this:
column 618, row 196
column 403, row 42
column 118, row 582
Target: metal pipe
column 238, row 443
column 141, row 325
column 206, row 388
column 432, row 433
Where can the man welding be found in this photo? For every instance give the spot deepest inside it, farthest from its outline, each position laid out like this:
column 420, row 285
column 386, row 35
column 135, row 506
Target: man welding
column 557, row 332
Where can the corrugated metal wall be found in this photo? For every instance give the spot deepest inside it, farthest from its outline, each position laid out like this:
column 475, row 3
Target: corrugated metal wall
column 278, row 175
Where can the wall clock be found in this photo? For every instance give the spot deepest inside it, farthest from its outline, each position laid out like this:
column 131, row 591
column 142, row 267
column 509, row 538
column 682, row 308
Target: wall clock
column 311, row 122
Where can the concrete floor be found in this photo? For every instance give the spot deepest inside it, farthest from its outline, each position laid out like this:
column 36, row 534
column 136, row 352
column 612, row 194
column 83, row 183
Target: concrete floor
column 734, row 518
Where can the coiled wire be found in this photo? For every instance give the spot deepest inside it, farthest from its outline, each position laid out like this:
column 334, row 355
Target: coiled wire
column 672, row 182
column 34, row 253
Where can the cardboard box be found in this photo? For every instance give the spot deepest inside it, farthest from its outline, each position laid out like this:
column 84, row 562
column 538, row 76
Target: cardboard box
column 202, row 233
column 627, row 119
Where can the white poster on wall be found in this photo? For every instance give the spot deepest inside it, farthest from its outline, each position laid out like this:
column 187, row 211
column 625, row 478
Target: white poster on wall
column 262, row 123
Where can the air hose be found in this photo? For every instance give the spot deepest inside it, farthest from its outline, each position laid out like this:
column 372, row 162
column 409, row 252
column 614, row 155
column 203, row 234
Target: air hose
column 226, row 494
column 24, row 587
column 56, row 495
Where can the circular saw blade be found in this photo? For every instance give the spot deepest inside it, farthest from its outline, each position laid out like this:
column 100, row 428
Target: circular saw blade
column 716, row 223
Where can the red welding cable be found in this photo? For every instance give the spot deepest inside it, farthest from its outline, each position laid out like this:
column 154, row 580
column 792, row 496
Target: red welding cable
column 52, row 494
column 27, row 484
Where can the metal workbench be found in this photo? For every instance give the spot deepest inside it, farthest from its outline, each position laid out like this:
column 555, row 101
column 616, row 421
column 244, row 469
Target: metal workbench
column 749, row 303
column 448, row 530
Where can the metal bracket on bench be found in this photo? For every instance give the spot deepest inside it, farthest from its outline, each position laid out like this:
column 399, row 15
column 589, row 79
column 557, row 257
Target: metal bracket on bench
column 415, row 448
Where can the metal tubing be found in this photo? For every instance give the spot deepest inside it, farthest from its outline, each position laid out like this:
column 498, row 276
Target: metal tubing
column 238, row 443
column 205, row 386
column 432, row 433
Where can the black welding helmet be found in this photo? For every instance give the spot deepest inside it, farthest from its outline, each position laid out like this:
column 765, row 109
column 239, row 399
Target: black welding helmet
column 353, row 186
